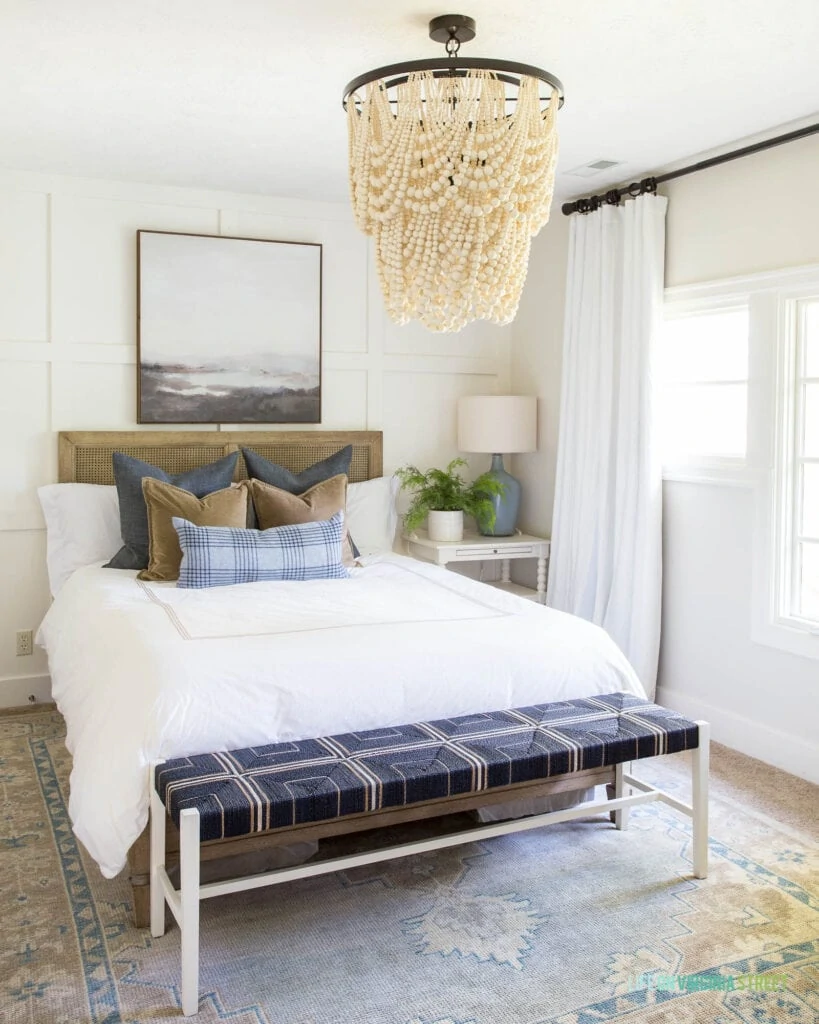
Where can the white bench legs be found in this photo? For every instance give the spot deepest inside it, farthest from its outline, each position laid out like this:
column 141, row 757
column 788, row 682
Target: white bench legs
column 621, row 816
column 189, row 925
column 701, row 757
column 184, row 902
column 697, row 810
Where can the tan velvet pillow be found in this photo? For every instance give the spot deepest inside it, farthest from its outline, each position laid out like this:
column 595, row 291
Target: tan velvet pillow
column 275, row 507
column 164, row 501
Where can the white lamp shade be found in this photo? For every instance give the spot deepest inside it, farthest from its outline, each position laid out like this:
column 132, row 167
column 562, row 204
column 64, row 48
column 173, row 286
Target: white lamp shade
column 497, row 423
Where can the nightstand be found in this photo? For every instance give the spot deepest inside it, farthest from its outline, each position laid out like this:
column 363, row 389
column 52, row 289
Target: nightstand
column 476, row 548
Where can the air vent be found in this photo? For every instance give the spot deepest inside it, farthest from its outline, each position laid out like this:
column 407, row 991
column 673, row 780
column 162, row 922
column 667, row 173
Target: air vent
column 595, row 167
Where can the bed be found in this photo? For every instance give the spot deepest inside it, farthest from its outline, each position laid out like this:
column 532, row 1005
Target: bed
column 144, row 671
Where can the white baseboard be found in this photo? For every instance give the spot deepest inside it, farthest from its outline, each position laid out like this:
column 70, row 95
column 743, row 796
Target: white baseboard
column 16, row 690
column 790, row 753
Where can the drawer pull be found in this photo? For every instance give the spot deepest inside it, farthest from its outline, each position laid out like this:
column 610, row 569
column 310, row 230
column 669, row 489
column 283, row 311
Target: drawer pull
column 508, row 551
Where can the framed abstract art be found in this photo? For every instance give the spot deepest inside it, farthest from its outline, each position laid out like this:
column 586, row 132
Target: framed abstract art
column 228, row 329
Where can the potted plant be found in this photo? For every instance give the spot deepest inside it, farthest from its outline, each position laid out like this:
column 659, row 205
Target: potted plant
column 442, row 496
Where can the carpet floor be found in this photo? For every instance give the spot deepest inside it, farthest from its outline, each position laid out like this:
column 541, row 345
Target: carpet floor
column 573, row 924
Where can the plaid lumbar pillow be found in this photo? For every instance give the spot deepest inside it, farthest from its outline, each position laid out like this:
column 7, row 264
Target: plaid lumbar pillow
column 217, row 556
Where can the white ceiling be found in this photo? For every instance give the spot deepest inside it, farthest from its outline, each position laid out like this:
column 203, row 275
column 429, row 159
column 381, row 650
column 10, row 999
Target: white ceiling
column 245, row 95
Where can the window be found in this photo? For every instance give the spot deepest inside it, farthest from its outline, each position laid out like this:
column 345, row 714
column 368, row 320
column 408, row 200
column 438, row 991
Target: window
column 799, row 474
column 738, row 406
column 703, row 375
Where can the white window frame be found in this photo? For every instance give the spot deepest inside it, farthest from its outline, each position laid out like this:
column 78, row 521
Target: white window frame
column 767, row 468
column 783, row 627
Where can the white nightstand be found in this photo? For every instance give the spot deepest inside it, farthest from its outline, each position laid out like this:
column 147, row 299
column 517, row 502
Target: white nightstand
column 476, row 548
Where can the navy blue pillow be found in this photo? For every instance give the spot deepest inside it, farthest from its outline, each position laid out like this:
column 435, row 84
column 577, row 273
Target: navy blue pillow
column 269, row 472
column 133, row 515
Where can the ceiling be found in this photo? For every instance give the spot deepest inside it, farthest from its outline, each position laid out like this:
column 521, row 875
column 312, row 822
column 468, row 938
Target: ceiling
column 245, row 95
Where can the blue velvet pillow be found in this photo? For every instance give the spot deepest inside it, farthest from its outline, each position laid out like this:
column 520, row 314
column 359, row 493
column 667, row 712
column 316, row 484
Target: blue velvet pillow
column 133, row 514
column 297, row 483
column 221, row 556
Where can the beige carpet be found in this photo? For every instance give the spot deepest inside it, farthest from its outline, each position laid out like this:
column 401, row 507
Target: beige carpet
column 574, row 924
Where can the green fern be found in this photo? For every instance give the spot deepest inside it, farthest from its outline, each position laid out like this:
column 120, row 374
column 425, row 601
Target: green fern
column 445, row 490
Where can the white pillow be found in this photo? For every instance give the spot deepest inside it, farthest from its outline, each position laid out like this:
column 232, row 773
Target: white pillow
column 82, row 524
column 371, row 515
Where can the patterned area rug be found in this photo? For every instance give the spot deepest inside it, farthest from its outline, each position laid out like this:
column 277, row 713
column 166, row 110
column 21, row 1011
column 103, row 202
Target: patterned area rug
column 573, row 924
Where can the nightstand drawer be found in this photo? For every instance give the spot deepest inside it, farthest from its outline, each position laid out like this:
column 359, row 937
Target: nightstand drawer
column 488, row 550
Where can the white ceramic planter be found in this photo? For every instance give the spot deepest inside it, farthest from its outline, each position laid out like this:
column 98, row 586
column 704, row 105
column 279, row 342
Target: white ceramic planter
column 444, row 526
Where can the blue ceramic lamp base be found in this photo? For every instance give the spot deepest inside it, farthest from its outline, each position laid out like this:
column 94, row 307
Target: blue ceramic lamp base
column 507, row 506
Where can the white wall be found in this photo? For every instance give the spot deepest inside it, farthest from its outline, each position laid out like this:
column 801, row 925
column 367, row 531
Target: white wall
column 537, row 357
column 755, row 214
column 759, row 213
column 67, row 350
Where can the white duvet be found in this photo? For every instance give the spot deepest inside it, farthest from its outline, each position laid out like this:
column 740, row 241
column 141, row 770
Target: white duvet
column 143, row 671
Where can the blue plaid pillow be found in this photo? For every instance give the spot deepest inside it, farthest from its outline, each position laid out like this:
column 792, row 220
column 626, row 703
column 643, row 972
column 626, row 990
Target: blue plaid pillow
column 219, row 556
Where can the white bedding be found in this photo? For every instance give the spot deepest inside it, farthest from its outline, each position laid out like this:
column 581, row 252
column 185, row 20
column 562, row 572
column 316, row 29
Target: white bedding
column 144, row 670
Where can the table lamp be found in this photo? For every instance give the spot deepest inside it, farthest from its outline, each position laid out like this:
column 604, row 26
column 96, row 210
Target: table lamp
column 499, row 424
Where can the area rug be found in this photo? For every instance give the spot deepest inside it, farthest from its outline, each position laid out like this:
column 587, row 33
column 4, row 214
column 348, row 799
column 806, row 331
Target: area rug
column 573, row 924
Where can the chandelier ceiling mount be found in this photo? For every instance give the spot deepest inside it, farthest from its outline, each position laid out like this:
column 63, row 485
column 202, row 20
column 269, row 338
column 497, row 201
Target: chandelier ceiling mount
column 452, row 30
column 457, row 27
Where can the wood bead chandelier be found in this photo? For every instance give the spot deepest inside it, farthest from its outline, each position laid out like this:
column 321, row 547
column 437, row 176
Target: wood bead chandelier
column 452, row 164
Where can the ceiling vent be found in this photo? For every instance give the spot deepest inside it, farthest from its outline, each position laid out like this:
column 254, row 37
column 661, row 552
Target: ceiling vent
column 595, row 167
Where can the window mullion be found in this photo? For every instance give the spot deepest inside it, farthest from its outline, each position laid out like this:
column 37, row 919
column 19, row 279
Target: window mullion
column 783, row 549
column 800, row 360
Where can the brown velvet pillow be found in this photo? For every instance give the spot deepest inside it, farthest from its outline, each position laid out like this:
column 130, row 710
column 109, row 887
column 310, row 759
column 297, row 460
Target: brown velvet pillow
column 163, row 501
column 275, row 507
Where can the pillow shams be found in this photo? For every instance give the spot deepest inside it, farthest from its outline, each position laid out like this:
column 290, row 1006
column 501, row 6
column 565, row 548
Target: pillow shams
column 371, row 514
column 223, row 556
column 129, row 474
column 82, row 524
column 227, row 507
column 277, row 507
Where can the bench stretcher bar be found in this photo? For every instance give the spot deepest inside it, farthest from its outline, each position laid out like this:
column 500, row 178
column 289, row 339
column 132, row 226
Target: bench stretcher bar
column 184, row 902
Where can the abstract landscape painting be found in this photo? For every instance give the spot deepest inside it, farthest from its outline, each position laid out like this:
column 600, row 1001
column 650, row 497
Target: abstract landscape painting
column 229, row 330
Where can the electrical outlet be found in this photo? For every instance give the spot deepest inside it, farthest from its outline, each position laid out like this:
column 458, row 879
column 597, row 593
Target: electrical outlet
column 25, row 642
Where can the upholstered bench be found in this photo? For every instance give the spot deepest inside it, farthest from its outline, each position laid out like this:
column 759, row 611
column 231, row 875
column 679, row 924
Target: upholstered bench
column 319, row 787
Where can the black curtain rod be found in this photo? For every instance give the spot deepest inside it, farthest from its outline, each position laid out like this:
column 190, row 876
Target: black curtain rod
column 638, row 188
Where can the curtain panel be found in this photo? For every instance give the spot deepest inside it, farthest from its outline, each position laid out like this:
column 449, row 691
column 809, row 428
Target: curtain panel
column 606, row 555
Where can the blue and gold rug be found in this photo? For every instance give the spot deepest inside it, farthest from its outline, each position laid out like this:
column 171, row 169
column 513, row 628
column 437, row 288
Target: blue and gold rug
column 575, row 924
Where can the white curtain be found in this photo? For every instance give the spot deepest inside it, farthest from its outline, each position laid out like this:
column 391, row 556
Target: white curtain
column 606, row 559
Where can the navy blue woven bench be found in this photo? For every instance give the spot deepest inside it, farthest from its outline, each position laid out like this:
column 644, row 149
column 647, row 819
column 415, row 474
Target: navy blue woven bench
column 330, row 785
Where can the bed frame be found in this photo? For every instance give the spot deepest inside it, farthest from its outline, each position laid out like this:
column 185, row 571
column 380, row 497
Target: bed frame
column 85, row 457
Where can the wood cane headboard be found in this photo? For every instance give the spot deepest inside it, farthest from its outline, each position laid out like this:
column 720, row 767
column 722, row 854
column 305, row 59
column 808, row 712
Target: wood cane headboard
column 85, row 456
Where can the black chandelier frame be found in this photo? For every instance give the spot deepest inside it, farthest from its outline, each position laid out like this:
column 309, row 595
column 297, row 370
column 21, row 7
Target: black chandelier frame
column 453, row 29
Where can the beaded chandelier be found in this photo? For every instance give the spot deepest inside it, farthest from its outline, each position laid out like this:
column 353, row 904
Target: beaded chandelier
column 452, row 165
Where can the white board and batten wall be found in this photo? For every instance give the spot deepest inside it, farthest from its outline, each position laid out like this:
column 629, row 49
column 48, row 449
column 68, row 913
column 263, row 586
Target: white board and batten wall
column 68, row 350
column 753, row 215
